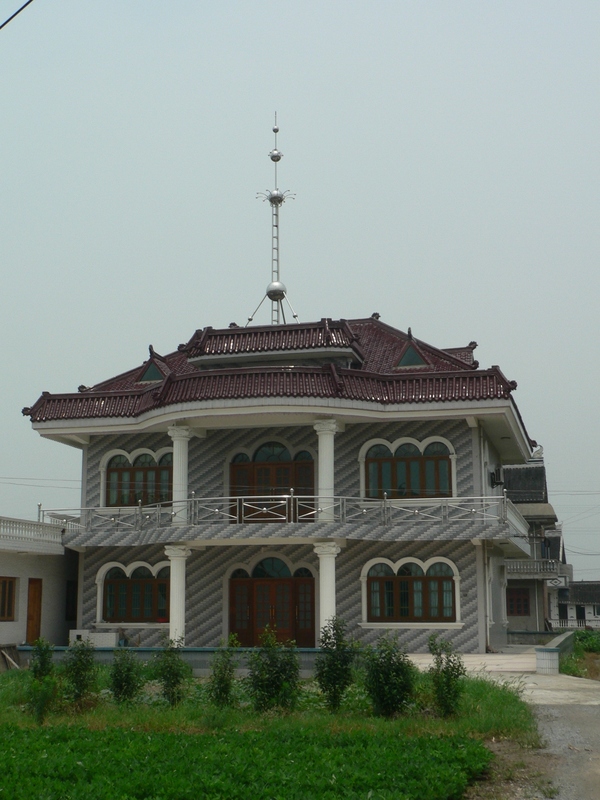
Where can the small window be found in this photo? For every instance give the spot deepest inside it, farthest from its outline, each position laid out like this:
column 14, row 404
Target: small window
column 240, row 458
column 380, row 571
column 152, row 373
column 379, row 451
column 272, row 451
column 303, row 455
column 517, row 602
column 411, row 358
column 141, row 573
column 239, row 573
column 303, row 572
column 7, row 599
column 411, row 569
column 440, row 568
column 271, row 568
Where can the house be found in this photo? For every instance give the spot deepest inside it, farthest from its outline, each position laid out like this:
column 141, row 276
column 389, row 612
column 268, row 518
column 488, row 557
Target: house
column 280, row 474
column 38, row 582
column 576, row 606
column 531, row 582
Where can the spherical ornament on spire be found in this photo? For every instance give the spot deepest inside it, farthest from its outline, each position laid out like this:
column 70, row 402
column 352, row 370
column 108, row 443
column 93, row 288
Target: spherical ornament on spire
column 276, row 291
column 275, row 197
column 276, row 155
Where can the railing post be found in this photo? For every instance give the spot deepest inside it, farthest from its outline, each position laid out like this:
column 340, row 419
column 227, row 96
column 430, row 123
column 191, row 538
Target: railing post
column 385, row 509
column 504, row 506
column 289, row 507
column 445, row 510
column 39, row 505
column 193, row 508
column 139, row 515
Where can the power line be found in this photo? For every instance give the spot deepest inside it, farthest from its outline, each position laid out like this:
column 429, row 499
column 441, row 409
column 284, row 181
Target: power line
column 15, row 14
column 19, row 478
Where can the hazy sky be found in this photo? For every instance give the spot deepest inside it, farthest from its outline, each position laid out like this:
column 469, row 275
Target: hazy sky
column 446, row 164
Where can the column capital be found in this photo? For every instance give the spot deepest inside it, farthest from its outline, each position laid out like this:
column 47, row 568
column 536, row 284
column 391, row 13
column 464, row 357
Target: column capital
column 180, row 432
column 177, row 551
column 327, row 426
column 327, row 549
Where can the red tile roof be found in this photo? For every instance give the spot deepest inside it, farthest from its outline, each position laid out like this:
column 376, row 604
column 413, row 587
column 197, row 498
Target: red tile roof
column 444, row 376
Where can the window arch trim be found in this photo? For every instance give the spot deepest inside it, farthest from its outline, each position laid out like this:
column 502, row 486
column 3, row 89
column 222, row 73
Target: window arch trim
column 394, row 445
column 130, row 456
column 128, row 570
column 395, row 566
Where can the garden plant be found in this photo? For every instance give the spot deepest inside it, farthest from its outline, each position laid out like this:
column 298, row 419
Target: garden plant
column 390, row 677
column 447, row 673
column 80, row 670
column 274, row 673
column 334, row 663
column 222, row 676
column 126, row 676
column 171, row 671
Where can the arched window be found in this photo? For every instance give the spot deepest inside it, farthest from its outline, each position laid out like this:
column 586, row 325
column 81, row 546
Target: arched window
column 272, row 471
column 271, row 568
column 145, row 480
column 138, row 598
column 410, row 594
column 408, row 472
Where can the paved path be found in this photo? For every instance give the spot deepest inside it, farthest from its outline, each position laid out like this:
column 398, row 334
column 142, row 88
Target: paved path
column 568, row 710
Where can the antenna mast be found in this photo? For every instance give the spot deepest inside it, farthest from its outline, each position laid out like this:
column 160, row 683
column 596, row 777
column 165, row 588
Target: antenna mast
column 276, row 290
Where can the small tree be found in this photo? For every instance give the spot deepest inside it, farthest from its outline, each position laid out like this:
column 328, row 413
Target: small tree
column 222, row 676
column 41, row 697
column 172, row 672
column 333, row 665
column 446, row 673
column 41, row 659
column 80, row 669
column 126, row 676
column 390, row 677
column 274, row 673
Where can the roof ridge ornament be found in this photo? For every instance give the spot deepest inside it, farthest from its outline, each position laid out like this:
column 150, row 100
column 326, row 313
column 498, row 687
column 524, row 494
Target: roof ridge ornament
column 276, row 290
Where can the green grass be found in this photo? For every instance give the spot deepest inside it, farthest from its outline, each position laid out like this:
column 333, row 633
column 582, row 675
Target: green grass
column 149, row 750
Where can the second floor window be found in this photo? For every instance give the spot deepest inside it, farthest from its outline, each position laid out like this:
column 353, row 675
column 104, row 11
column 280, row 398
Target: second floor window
column 145, row 480
column 408, row 472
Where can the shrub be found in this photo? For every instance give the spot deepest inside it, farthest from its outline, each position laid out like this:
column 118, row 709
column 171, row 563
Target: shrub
column 222, row 676
column 274, row 673
column 446, row 674
column 126, row 676
column 333, row 665
column 588, row 641
column 41, row 659
column 80, row 669
column 41, row 697
column 390, row 677
column 172, row 672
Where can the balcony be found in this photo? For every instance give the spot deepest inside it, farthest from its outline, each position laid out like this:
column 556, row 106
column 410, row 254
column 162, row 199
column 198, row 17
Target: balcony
column 291, row 508
column 540, row 569
column 26, row 536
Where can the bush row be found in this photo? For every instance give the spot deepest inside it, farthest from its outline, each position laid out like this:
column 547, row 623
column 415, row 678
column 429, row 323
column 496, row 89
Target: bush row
column 273, row 679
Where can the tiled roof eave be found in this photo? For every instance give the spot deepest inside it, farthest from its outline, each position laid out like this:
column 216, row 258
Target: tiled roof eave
column 298, row 383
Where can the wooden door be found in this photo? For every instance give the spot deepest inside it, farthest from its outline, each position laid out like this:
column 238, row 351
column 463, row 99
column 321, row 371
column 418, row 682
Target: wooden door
column 34, row 610
column 286, row 605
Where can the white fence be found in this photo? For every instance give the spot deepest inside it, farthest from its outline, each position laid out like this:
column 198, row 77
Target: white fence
column 29, row 531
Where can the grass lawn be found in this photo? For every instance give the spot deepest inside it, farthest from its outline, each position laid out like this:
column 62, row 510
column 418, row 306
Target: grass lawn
column 149, row 750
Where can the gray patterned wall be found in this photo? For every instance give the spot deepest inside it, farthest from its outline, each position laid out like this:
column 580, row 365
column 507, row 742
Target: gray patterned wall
column 206, row 592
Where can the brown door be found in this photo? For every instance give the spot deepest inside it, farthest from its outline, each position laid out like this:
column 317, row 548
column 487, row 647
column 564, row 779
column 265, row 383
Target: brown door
column 34, row 609
column 287, row 605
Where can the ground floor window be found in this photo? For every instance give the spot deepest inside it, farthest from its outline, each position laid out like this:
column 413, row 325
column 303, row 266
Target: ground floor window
column 141, row 597
column 272, row 595
column 7, row 599
column 517, row 602
column 411, row 594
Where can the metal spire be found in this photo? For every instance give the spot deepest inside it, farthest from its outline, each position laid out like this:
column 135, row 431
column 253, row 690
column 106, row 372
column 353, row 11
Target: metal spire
column 276, row 291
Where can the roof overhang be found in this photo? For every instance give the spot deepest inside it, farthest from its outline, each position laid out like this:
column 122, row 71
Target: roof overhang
column 497, row 417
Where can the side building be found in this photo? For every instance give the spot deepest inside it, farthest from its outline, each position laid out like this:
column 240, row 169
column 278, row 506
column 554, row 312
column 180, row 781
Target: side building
column 278, row 475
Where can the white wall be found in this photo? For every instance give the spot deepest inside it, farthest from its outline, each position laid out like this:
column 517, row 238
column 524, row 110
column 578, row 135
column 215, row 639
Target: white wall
column 54, row 572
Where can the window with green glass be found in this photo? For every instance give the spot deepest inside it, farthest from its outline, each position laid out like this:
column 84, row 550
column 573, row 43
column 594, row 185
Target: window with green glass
column 141, row 597
column 410, row 595
column 408, row 472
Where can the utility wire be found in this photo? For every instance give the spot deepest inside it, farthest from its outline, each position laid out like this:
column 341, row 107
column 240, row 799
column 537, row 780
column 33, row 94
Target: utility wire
column 15, row 14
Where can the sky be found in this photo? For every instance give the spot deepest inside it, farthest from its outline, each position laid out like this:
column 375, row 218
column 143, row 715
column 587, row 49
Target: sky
column 445, row 161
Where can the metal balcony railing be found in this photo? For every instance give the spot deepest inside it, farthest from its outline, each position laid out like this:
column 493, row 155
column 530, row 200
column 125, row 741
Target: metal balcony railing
column 287, row 508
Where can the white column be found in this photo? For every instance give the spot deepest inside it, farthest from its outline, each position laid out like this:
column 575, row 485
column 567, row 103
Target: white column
column 177, row 556
column 327, row 552
column 326, row 430
column 181, row 437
